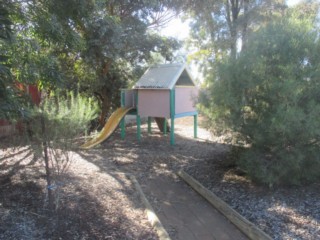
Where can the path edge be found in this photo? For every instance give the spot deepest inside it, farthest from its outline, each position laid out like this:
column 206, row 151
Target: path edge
column 152, row 217
column 244, row 225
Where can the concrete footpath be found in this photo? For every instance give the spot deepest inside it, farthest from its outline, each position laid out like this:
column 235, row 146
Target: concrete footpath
column 185, row 214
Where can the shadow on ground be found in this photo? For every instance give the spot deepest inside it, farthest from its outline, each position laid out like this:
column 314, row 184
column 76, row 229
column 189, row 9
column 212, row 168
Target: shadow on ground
column 92, row 205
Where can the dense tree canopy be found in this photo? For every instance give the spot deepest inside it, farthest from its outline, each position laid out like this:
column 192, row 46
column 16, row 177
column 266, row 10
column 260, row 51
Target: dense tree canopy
column 220, row 28
column 5, row 35
column 96, row 46
column 8, row 99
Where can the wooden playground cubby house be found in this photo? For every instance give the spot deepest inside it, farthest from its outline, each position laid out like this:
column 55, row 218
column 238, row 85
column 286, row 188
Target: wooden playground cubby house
column 164, row 92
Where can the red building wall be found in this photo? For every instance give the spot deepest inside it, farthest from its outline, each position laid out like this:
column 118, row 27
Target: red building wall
column 7, row 128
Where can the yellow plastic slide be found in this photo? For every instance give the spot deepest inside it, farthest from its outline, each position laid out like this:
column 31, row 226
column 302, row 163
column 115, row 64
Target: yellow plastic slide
column 108, row 128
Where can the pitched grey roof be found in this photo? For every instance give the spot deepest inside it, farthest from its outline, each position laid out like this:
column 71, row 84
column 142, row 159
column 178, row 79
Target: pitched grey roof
column 165, row 76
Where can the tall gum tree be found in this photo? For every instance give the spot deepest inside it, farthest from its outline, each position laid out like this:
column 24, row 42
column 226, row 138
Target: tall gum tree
column 222, row 26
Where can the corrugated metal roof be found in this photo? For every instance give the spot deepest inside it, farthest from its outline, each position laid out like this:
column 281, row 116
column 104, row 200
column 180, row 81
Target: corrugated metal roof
column 163, row 76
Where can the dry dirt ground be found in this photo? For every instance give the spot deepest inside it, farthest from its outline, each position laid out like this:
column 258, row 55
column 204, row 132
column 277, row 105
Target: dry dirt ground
column 96, row 202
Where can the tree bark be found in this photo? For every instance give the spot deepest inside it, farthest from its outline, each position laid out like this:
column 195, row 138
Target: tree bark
column 48, row 170
column 104, row 94
column 245, row 24
column 105, row 97
column 232, row 10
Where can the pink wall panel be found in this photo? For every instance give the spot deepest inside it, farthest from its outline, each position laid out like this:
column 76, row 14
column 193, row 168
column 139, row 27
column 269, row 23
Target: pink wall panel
column 185, row 99
column 154, row 103
column 130, row 98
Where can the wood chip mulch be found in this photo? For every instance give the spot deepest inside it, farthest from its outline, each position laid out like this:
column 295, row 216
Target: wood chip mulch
column 98, row 203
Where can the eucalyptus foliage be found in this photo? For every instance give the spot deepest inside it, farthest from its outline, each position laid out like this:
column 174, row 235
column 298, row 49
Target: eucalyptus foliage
column 270, row 96
column 61, row 44
column 220, row 28
column 11, row 100
column 98, row 45
column 5, row 74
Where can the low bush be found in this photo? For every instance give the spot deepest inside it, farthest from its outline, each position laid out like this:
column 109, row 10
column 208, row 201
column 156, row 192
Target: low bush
column 55, row 125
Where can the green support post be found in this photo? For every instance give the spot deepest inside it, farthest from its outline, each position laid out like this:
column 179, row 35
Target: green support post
column 138, row 127
column 195, row 126
column 149, row 125
column 165, row 127
column 123, row 121
column 172, row 115
column 123, row 128
column 123, row 100
column 172, row 132
column 138, row 118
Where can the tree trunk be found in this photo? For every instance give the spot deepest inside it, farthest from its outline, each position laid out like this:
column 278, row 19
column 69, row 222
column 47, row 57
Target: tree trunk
column 232, row 11
column 46, row 161
column 105, row 106
column 245, row 24
column 104, row 94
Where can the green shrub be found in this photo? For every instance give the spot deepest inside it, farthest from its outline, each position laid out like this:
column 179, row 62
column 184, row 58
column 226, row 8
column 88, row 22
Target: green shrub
column 270, row 96
column 65, row 117
column 55, row 125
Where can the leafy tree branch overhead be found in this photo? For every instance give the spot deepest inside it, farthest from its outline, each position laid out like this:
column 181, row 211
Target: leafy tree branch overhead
column 94, row 44
column 8, row 102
